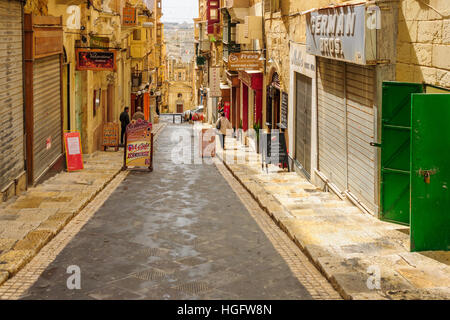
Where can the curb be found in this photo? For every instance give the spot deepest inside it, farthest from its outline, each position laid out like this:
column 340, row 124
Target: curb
column 27, row 248
column 279, row 222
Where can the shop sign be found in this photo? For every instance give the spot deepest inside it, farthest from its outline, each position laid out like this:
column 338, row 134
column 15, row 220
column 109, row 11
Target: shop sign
column 139, row 145
column 129, row 17
column 99, row 42
column 74, row 156
column 96, row 59
column 244, row 61
column 338, row 33
column 214, row 82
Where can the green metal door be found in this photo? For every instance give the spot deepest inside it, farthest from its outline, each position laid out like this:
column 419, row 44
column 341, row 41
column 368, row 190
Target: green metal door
column 430, row 168
column 395, row 150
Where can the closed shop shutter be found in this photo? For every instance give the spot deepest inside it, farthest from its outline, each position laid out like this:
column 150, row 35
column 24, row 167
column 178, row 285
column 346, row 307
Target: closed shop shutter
column 332, row 121
column 47, row 146
column 11, row 92
column 303, row 88
column 360, row 86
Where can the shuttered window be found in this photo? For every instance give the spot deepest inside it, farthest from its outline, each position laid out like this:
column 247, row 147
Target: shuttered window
column 11, row 93
column 47, row 146
column 347, row 117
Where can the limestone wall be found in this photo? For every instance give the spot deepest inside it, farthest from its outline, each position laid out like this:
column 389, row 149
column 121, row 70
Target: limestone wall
column 423, row 45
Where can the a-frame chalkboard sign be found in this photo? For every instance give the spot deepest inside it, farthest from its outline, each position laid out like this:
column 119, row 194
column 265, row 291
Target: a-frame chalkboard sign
column 274, row 142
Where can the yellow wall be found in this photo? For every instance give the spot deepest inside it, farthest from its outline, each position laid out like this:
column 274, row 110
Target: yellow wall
column 423, row 44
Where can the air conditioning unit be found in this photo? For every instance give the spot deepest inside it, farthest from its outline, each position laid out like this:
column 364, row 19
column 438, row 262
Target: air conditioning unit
column 253, row 27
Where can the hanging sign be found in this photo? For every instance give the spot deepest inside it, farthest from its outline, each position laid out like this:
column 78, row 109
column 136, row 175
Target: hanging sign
column 129, row 17
column 139, row 145
column 214, row 82
column 111, row 137
column 74, row 156
column 245, row 61
column 96, row 59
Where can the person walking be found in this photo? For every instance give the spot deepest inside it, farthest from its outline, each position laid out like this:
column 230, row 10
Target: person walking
column 223, row 124
column 138, row 114
column 124, row 121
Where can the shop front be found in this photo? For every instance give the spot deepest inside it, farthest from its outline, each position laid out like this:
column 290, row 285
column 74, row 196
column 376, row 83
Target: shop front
column 251, row 98
column 302, row 114
column 43, row 104
column 11, row 98
column 347, row 110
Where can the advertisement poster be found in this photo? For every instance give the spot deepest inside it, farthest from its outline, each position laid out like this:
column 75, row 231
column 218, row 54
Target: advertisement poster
column 74, row 156
column 139, row 146
column 244, row 61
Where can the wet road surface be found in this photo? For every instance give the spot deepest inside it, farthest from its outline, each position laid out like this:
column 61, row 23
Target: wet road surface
column 179, row 232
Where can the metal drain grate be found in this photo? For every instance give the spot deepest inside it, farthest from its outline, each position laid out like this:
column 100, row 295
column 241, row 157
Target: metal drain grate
column 151, row 274
column 154, row 252
column 192, row 261
column 193, row 287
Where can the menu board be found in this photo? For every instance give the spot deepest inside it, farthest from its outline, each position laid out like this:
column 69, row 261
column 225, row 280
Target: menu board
column 111, row 135
column 276, row 143
column 74, row 156
column 139, row 145
column 284, row 110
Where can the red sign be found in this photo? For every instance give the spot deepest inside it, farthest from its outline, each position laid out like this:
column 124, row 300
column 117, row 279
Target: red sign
column 74, row 156
column 129, row 16
column 96, row 59
column 226, row 109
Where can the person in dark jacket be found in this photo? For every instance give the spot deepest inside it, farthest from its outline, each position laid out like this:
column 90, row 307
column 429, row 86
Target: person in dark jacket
column 124, row 121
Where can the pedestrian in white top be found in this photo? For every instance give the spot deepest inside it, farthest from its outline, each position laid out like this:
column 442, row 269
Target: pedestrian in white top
column 223, row 124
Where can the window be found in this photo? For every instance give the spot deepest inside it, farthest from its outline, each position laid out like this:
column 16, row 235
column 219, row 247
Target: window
column 213, row 14
column 137, row 34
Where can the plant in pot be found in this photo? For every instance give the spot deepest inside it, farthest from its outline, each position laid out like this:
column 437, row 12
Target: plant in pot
column 257, row 127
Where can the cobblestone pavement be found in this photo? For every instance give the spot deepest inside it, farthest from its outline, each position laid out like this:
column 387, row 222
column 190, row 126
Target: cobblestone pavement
column 181, row 232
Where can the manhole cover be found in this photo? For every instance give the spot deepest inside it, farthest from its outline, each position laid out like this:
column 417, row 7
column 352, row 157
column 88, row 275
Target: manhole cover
column 151, row 274
column 193, row 287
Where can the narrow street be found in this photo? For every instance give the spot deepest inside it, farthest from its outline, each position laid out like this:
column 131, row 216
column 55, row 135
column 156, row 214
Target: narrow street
column 180, row 232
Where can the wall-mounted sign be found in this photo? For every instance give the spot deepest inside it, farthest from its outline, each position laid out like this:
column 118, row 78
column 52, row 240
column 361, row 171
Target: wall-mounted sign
column 341, row 33
column 74, row 156
column 244, row 61
column 129, row 17
column 214, row 82
column 99, row 42
column 139, row 145
column 96, row 59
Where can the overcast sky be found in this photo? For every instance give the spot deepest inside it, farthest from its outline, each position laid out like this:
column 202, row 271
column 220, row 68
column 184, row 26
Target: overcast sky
column 179, row 10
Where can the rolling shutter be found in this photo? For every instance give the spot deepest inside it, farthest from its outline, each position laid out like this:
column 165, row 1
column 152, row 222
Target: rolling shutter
column 360, row 86
column 303, row 88
column 11, row 92
column 47, row 146
column 332, row 121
